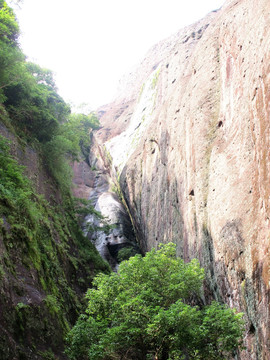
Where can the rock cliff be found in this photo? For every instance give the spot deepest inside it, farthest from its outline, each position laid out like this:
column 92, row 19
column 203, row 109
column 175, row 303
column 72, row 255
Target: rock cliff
column 92, row 181
column 189, row 138
column 46, row 265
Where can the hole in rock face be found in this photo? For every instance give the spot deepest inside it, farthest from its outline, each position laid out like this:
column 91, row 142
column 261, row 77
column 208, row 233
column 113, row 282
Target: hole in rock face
column 173, row 81
column 220, row 123
column 167, row 66
column 242, row 277
column 191, row 192
column 252, row 329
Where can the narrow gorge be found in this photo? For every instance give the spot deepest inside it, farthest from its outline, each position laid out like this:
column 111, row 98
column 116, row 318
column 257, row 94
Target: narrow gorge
column 182, row 155
column 114, row 231
column 187, row 140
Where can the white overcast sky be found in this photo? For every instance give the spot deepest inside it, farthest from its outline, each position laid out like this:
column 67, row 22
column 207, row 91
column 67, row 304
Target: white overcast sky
column 90, row 44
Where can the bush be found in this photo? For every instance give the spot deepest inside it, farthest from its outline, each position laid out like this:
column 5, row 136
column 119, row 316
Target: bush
column 126, row 253
column 144, row 312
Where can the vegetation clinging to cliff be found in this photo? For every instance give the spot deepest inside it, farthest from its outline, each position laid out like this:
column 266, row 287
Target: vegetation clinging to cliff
column 34, row 109
column 27, row 91
column 29, row 94
column 46, row 264
column 69, row 142
column 41, row 239
column 147, row 311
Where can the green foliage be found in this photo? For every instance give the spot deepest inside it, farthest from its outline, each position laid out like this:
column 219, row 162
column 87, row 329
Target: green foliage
column 77, row 129
column 33, row 107
column 84, row 207
column 20, row 306
column 27, row 213
column 27, row 91
column 9, row 29
column 46, row 242
column 14, row 186
column 39, row 237
column 11, row 57
column 68, row 143
column 42, row 76
column 52, row 304
column 33, row 104
column 11, row 66
column 144, row 312
column 126, row 253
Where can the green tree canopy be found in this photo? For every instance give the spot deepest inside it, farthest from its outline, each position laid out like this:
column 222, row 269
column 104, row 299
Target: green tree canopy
column 11, row 56
column 9, row 29
column 27, row 91
column 144, row 312
column 33, row 103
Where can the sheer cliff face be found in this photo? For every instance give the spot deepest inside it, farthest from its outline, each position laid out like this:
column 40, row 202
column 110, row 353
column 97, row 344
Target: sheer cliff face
column 190, row 137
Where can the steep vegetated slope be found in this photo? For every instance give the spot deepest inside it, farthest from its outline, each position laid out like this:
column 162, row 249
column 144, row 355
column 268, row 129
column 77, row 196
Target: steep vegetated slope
column 189, row 139
column 46, row 264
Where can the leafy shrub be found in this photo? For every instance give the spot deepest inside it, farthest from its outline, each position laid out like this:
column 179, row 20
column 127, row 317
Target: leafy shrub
column 144, row 312
column 126, row 253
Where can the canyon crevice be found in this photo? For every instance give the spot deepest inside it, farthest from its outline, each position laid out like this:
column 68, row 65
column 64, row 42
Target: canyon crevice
column 188, row 138
column 109, row 225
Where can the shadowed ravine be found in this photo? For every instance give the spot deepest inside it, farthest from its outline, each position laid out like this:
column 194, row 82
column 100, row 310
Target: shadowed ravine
column 120, row 233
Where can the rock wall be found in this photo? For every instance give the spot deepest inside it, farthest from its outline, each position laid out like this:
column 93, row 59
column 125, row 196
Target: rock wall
column 46, row 265
column 92, row 181
column 189, row 137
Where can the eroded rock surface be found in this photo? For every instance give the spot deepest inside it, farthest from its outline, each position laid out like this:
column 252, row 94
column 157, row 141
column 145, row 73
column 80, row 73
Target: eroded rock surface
column 194, row 162
column 93, row 182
